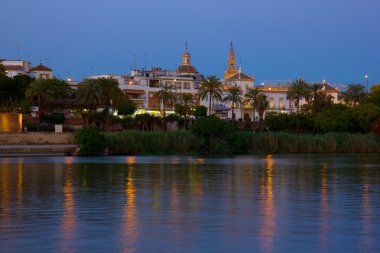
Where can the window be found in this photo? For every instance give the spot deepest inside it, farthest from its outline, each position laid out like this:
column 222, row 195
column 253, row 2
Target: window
column 196, row 85
column 178, row 85
column 186, row 85
column 271, row 103
column 168, row 83
column 281, row 103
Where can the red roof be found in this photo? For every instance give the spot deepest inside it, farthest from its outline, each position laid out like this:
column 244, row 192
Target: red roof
column 13, row 67
column 40, row 68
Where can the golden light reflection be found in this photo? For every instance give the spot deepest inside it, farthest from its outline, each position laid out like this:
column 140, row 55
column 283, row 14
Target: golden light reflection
column 324, row 215
column 68, row 160
column 268, row 228
column 130, row 160
column 20, row 179
column 68, row 223
column 4, row 177
column 130, row 232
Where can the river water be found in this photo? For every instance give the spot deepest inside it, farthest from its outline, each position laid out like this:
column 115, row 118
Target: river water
column 274, row 203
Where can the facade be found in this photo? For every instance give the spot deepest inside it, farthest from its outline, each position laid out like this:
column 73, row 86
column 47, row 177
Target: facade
column 142, row 85
column 41, row 72
column 15, row 67
column 274, row 90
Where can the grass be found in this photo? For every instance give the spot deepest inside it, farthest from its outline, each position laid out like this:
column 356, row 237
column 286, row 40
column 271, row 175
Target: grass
column 241, row 142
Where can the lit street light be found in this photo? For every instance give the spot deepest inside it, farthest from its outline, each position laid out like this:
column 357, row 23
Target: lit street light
column 366, row 78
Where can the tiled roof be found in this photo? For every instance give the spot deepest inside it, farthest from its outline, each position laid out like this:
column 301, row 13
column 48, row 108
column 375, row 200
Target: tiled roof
column 327, row 87
column 187, row 69
column 13, row 67
column 40, row 68
column 240, row 77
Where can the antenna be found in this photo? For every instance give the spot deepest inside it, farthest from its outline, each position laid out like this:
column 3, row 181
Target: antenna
column 134, row 62
column 146, row 59
column 18, row 52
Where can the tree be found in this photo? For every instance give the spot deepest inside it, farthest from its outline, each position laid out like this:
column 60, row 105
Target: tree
column 165, row 96
column 210, row 89
column 2, row 70
column 183, row 108
column 354, row 95
column 200, row 111
column 234, row 96
column 61, row 89
column 317, row 100
column 89, row 94
column 251, row 97
column 41, row 90
column 298, row 90
column 262, row 105
column 126, row 107
column 111, row 93
column 7, row 91
column 375, row 94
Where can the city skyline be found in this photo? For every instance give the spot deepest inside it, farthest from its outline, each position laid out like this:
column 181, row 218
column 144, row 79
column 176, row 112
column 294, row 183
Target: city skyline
column 274, row 41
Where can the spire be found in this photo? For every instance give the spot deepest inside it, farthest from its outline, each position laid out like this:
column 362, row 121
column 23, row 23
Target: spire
column 231, row 70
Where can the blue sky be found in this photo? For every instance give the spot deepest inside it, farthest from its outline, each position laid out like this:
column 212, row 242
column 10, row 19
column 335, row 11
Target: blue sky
column 337, row 40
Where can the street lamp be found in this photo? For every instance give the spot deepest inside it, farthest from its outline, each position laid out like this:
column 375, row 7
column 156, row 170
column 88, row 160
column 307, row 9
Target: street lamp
column 366, row 78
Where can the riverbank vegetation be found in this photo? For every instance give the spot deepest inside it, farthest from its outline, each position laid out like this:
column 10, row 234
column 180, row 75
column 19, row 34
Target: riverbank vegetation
column 223, row 141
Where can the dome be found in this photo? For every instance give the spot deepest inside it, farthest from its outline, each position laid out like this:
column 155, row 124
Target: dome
column 187, row 69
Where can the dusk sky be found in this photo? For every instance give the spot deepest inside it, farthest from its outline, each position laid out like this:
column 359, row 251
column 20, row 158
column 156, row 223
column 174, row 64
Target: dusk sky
column 336, row 40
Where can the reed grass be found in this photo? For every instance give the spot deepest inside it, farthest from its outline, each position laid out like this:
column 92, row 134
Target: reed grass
column 241, row 142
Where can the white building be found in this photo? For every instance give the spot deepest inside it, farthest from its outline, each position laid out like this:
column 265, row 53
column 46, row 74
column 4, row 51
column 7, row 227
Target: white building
column 142, row 85
column 15, row 67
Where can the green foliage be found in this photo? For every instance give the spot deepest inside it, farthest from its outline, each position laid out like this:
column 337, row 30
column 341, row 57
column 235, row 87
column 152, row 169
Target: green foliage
column 210, row 127
column 135, row 142
column 90, row 141
column 200, row 111
column 277, row 121
column 126, row 107
column 211, row 89
column 333, row 121
column 282, row 121
column 364, row 115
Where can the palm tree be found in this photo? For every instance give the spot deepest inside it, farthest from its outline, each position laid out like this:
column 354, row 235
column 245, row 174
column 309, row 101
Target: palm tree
column 355, row 94
column 318, row 100
column 251, row 97
column 187, row 101
column 262, row 104
column 298, row 90
column 165, row 96
column 210, row 89
column 235, row 97
column 89, row 94
column 41, row 90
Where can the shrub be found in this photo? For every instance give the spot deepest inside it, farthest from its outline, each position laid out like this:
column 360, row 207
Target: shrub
column 90, row 141
column 200, row 111
column 209, row 127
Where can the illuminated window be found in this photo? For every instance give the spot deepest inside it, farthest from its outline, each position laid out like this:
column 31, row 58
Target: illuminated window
column 281, row 103
column 271, row 103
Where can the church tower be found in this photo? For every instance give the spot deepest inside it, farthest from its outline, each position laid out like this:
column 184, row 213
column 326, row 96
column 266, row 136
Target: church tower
column 186, row 57
column 231, row 70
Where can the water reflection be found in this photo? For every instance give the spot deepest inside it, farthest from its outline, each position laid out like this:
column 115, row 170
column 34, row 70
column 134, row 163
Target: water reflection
column 163, row 204
column 268, row 228
column 68, row 223
column 324, row 212
column 130, row 234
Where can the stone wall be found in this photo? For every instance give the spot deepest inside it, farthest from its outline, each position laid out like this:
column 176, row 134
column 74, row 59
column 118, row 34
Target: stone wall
column 36, row 138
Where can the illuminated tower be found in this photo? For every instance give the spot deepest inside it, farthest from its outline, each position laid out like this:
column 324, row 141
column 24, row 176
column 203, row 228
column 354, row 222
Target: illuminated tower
column 231, row 70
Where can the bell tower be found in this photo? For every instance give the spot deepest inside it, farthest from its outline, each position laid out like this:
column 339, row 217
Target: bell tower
column 231, row 69
column 186, row 57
